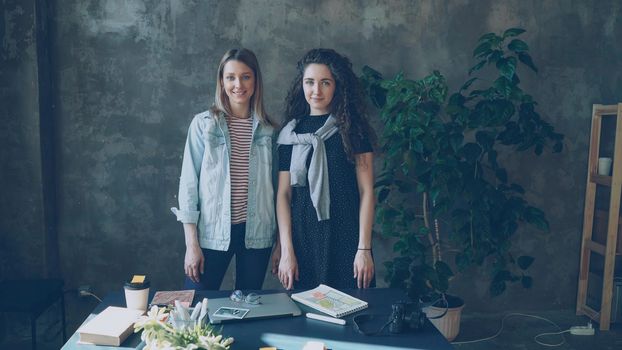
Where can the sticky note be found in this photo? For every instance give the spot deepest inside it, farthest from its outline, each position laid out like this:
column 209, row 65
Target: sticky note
column 138, row 279
column 268, row 348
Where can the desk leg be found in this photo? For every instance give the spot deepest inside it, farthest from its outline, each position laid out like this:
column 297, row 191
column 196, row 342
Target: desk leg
column 33, row 330
column 62, row 312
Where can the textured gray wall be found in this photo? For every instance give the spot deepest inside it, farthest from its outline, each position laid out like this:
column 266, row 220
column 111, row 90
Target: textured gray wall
column 21, row 214
column 131, row 74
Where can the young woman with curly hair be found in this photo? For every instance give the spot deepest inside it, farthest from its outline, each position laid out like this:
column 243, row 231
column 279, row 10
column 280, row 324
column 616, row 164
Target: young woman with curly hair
column 325, row 198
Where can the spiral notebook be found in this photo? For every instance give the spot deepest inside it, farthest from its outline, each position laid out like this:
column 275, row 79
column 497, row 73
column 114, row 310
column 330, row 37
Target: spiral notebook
column 330, row 301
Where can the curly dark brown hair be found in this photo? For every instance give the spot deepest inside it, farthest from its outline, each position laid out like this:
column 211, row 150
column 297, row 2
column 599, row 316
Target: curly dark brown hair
column 347, row 106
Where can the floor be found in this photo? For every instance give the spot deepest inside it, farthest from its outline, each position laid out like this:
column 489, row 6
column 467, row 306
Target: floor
column 519, row 331
column 15, row 328
column 517, row 334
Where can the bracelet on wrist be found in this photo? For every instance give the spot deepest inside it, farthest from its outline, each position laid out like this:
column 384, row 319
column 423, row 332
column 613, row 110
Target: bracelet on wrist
column 363, row 248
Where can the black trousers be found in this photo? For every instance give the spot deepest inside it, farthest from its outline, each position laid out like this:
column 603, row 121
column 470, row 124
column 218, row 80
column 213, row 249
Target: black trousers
column 250, row 264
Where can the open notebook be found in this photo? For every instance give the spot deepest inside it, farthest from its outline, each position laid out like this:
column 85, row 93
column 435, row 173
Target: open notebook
column 330, row 301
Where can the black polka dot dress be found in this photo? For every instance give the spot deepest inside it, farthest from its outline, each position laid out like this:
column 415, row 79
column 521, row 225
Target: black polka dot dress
column 325, row 250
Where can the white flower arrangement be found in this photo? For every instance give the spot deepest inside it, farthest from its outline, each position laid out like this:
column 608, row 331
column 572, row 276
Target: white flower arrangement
column 159, row 334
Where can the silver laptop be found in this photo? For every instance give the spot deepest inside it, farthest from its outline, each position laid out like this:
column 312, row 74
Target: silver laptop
column 270, row 306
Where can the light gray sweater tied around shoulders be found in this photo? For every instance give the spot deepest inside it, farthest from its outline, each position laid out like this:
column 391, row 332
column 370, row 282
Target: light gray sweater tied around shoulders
column 317, row 174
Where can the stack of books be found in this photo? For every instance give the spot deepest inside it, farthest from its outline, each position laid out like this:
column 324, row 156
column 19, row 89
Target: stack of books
column 110, row 327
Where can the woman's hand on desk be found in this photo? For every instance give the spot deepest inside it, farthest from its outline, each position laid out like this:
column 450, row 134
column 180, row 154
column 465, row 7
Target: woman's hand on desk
column 288, row 270
column 194, row 262
column 363, row 268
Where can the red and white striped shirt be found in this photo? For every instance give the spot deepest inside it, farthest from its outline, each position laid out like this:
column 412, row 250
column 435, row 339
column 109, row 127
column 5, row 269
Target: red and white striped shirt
column 241, row 134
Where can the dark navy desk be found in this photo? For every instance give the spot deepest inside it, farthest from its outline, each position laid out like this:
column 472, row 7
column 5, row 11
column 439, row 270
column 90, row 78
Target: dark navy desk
column 293, row 332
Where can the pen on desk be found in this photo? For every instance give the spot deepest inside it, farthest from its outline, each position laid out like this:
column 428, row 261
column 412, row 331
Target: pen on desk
column 326, row 318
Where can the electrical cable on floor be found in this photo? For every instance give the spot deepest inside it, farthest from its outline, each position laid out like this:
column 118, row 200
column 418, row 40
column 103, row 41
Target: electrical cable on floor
column 82, row 293
column 561, row 333
column 555, row 333
column 91, row 294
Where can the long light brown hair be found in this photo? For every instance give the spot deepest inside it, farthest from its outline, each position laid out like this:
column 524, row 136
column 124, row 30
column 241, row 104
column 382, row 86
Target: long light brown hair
column 221, row 100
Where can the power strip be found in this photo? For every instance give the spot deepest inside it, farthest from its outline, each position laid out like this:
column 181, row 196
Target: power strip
column 582, row 330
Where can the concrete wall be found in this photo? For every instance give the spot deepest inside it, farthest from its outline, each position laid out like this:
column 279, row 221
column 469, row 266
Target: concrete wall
column 129, row 75
column 21, row 198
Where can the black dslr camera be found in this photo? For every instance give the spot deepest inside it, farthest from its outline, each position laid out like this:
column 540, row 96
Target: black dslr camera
column 406, row 315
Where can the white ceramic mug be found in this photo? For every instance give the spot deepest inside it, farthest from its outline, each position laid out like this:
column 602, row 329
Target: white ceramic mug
column 604, row 166
column 136, row 295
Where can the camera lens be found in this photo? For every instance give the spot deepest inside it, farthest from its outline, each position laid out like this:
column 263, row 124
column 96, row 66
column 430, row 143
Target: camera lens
column 397, row 318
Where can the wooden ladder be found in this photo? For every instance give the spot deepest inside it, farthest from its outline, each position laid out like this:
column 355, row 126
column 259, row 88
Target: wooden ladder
column 588, row 245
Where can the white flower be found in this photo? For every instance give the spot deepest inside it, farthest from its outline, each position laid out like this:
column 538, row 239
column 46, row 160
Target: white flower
column 154, row 316
column 158, row 334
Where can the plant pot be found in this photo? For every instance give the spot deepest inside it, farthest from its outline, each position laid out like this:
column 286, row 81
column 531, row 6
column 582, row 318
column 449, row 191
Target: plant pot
column 449, row 324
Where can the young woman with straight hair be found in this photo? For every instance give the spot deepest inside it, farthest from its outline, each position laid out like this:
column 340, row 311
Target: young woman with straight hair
column 226, row 196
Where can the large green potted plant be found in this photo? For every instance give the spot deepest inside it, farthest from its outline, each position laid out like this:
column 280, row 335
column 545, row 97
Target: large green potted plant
column 444, row 151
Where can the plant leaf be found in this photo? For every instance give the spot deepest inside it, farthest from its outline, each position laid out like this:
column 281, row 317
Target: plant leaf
column 495, row 56
column 512, row 32
column 518, row 45
column 507, row 67
column 497, row 288
column 378, row 95
column 443, row 269
column 443, row 274
column 372, row 73
column 485, row 138
column 384, row 179
column 399, row 246
column 471, row 151
column 503, row 85
column 503, row 275
column 467, row 84
column 384, row 193
column 390, row 213
column 455, row 140
column 526, row 60
column 536, row 217
column 526, row 281
column 488, row 37
column 477, row 67
column 517, row 188
column 524, row 262
column 482, row 50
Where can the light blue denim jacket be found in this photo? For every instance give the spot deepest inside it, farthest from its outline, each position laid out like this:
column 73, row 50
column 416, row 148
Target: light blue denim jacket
column 205, row 184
